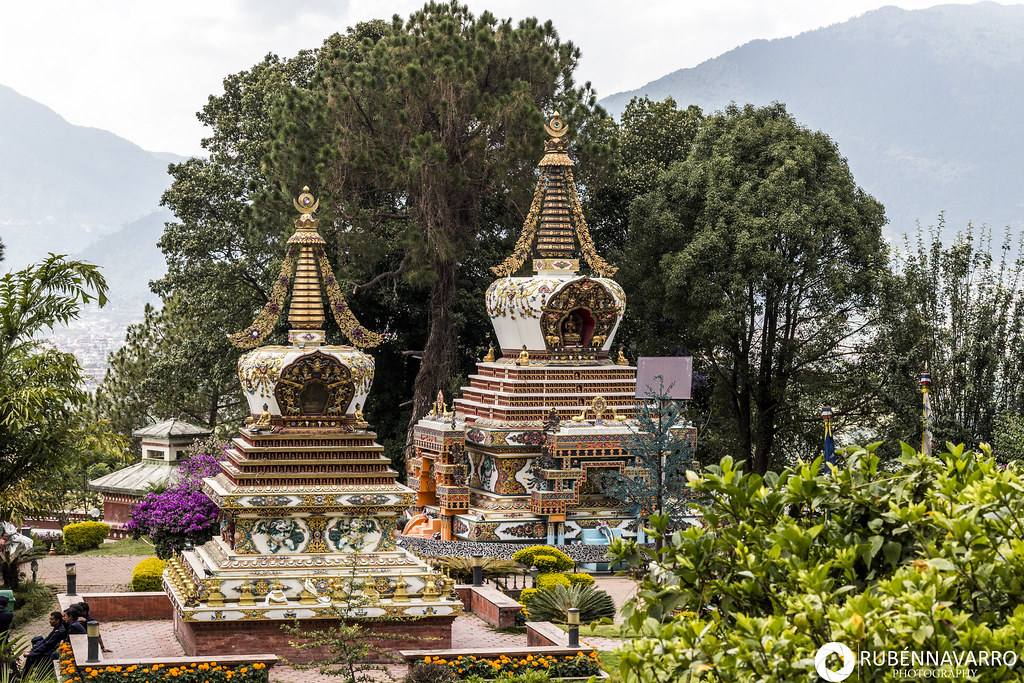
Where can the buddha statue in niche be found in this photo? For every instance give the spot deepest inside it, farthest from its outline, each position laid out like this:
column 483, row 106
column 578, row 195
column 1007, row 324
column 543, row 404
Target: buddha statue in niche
column 571, row 330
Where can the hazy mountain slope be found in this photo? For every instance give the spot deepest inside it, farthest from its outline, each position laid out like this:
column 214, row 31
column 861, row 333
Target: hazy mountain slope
column 130, row 260
column 63, row 186
column 925, row 104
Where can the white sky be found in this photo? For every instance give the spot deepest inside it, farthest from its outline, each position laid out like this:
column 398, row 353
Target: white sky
column 142, row 68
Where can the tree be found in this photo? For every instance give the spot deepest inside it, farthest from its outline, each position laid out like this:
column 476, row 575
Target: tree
column 956, row 309
column 663, row 450
column 769, row 258
column 422, row 136
column 925, row 559
column 181, row 514
column 43, row 422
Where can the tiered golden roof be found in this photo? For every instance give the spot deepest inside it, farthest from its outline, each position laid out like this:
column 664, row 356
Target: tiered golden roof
column 313, row 275
column 555, row 221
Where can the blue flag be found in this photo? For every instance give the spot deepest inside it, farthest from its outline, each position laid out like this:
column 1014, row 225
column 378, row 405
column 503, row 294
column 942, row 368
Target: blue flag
column 830, row 446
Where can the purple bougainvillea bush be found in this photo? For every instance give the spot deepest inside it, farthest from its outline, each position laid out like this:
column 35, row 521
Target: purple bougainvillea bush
column 182, row 514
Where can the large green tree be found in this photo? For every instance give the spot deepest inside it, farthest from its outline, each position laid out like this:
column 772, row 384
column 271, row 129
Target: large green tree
column 422, row 136
column 768, row 259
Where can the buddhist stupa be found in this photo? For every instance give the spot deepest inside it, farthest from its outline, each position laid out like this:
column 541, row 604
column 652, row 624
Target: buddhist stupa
column 520, row 456
column 309, row 504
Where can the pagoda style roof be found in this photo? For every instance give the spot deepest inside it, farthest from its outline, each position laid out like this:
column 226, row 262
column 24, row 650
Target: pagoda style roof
column 135, row 479
column 171, row 428
column 555, row 231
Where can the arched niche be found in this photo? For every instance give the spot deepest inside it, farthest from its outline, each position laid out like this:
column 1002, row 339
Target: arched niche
column 580, row 315
column 316, row 385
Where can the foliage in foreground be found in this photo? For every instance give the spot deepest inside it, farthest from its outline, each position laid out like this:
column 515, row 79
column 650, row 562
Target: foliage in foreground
column 552, row 604
column 195, row 672
column 12, row 653
column 465, row 668
column 929, row 558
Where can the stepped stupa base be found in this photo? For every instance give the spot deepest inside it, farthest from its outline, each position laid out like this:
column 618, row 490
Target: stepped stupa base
column 218, row 638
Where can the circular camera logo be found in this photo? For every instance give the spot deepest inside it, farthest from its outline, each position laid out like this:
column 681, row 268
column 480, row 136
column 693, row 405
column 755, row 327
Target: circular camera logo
column 821, row 662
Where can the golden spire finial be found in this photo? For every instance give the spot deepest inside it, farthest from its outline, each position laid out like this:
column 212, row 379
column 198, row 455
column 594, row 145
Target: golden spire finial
column 306, row 203
column 556, row 128
column 312, row 276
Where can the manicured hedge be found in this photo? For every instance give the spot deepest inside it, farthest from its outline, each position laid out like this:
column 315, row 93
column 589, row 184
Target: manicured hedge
column 146, row 576
column 85, row 536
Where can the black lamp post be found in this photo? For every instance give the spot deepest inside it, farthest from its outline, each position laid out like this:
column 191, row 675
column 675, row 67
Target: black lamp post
column 478, row 569
column 92, row 632
column 69, row 568
column 534, row 573
column 35, row 568
column 574, row 626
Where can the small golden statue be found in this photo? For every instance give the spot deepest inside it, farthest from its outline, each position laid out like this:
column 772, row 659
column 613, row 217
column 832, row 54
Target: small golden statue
column 361, row 423
column 570, row 331
column 524, row 357
column 622, row 358
column 437, row 410
column 616, row 417
column 247, row 599
column 447, row 413
column 582, row 417
column 489, row 358
column 264, row 420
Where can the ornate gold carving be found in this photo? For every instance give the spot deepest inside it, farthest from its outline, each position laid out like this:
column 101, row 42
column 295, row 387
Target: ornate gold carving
column 586, row 294
column 246, row 599
column 401, row 594
column 306, row 204
column 598, row 264
column 525, row 243
column 264, row 323
column 599, row 405
column 556, row 128
column 349, row 324
column 315, row 385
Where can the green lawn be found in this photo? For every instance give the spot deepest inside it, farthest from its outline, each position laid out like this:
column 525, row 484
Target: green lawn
column 128, row 546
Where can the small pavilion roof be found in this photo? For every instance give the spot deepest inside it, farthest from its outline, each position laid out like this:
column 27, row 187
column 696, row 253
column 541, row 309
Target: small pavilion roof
column 171, row 428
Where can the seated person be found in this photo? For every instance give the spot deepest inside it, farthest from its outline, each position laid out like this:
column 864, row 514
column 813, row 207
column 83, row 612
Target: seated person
column 86, row 617
column 74, row 621
column 44, row 647
column 6, row 618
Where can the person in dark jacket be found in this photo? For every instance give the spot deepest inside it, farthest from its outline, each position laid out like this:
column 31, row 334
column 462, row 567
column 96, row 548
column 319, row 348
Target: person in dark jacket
column 6, row 619
column 43, row 648
column 74, row 621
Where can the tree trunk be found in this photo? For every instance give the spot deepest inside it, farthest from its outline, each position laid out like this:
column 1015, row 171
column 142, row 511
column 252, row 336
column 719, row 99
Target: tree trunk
column 439, row 353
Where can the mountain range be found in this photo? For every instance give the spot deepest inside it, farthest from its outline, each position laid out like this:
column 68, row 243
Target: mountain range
column 81, row 191
column 925, row 104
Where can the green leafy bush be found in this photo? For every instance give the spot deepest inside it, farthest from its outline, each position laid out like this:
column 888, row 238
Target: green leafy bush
column 552, row 604
column 580, row 579
column 544, row 558
column 925, row 559
column 85, row 536
column 146, row 575
column 526, row 594
column 551, row 580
